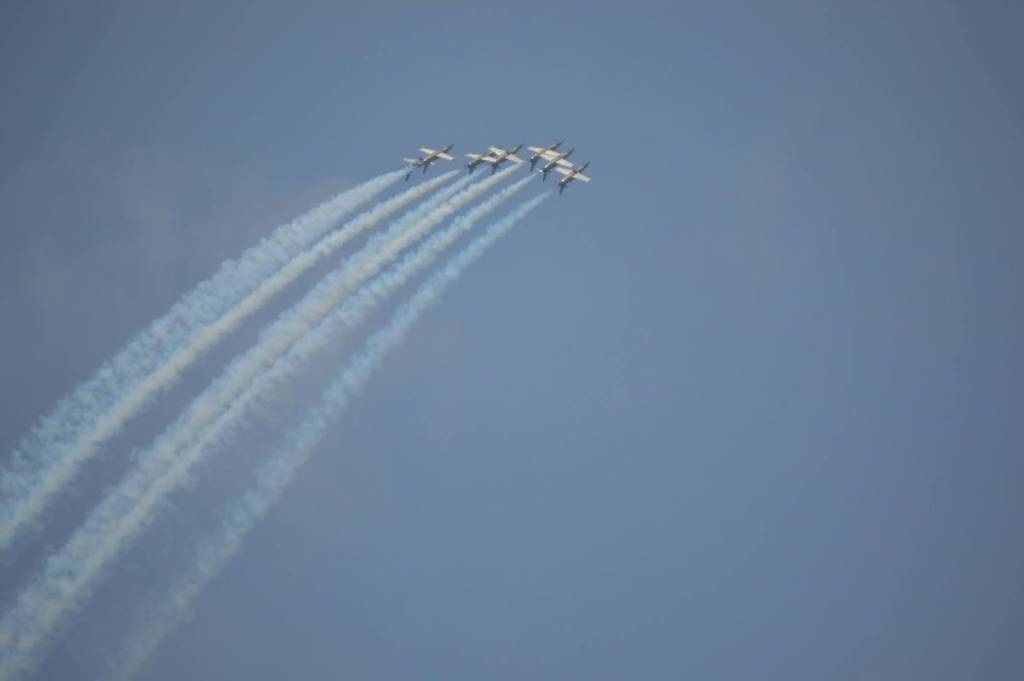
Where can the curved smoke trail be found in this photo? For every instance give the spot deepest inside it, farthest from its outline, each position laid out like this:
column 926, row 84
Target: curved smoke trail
column 280, row 469
column 69, row 575
column 48, row 457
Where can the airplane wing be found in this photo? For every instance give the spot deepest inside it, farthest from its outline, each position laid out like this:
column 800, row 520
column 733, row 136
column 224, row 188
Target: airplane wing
column 445, row 156
column 488, row 159
column 425, row 150
column 552, row 155
column 546, row 154
column 495, row 150
column 568, row 172
column 513, row 157
column 538, row 150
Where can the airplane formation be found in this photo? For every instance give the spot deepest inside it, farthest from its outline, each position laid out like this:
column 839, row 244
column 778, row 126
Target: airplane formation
column 496, row 156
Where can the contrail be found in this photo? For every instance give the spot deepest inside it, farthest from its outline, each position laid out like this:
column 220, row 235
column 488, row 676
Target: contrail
column 49, row 456
column 280, row 469
column 69, row 575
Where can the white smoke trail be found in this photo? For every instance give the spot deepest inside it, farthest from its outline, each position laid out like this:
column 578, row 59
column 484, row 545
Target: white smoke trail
column 238, row 406
column 70, row 574
column 280, row 469
column 48, row 457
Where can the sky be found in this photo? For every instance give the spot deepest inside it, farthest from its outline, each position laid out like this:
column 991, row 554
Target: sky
column 746, row 405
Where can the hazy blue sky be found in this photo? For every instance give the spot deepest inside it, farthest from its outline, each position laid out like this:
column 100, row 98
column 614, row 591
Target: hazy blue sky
column 748, row 405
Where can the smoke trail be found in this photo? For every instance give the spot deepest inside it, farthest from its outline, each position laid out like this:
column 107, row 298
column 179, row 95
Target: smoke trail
column 48, row 457
column 280, row 469
column 388, row 244
column 69, row 575
column 239, row 405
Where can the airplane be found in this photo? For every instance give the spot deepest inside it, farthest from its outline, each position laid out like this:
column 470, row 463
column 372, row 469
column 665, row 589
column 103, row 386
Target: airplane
column 540, row 152
column 555, row 160
column 429, row 156
column 495, row 156
column 574, row 173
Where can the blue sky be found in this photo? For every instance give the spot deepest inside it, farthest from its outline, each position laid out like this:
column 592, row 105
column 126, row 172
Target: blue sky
column 746, row 404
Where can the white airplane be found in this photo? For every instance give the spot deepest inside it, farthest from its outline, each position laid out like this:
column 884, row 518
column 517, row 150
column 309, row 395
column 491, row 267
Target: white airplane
column 572, row 173
column 495, row 156
column 537, row 153
column 556, row 159
column 429, row 156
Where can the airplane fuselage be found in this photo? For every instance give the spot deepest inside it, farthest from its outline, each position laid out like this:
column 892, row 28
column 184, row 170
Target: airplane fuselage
column 539, row 153
column 576, row 173
column 499, row 159
column 494, row 157
column 554, row 162
column 429, row 157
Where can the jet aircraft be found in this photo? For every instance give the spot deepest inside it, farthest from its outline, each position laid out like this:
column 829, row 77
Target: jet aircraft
column 539, row 152
column 429, row 156
column 494, row 156
column 572, row 173
column 555, row 159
